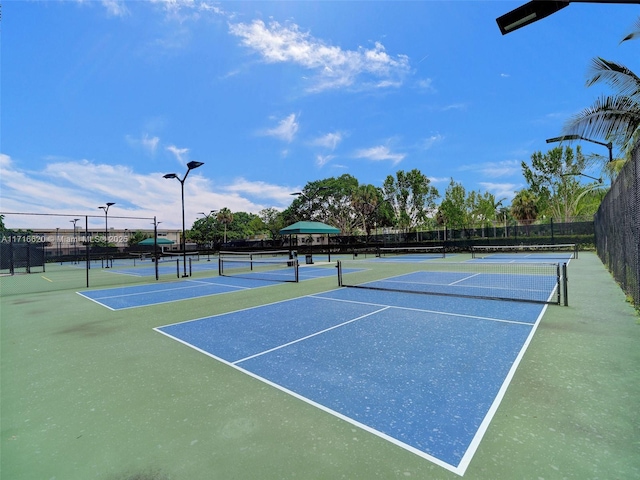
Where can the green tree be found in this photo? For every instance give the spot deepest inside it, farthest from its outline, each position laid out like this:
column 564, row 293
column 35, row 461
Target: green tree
column 225, row 217
column 524, row 207
column 553, row 178
column 614, row 117
column 328, row 201
column 273, row 222
column 452, row 212
column 411, row 197
column 366, row 199
column 136, row 237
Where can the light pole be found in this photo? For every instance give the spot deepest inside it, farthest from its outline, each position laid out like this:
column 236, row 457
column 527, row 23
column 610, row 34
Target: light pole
column 207, row 215
column 106, row 229
column 578, row 137
column 599, row 180
column 190, row 166
column 75, row 240
column 310, row 198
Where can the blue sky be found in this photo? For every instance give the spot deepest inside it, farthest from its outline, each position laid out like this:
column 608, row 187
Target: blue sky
column 101, row 98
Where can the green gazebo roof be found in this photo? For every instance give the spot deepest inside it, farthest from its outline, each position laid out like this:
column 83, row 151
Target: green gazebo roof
column 309, row 227
column 161, row 241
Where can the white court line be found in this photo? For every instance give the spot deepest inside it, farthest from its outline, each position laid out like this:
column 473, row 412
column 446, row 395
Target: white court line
column 311, row 335
column 436, row 312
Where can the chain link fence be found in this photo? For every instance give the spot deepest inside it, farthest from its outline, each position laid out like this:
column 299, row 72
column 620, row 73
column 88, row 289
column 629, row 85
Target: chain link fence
column 617, row 225
column 85, row 252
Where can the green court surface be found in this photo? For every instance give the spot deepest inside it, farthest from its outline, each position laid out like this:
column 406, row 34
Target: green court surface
column 92, row 393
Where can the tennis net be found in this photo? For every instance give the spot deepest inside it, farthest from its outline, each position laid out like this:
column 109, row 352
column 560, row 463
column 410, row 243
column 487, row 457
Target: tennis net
column 528, row 282
column 258, row 254
column 274, row 270
column 553, row 251
column 426, row 252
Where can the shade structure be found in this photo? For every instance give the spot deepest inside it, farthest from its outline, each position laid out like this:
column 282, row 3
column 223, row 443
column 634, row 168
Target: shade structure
column 306, row 228
column 299, row 228
column 161, row 241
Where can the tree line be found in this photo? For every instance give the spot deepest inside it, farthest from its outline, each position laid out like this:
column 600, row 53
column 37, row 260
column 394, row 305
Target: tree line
column 407, row 202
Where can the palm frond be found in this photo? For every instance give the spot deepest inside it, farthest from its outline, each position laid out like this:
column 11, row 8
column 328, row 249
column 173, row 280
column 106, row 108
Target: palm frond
column 615, row 74
column 635, row 33
column 615, row 118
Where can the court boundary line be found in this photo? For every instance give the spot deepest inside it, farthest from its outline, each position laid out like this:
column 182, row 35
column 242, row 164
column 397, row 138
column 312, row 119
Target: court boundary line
column 474, row 444
column 306, row 337
column 324, row 408
column 234, row 287
column 465, row 461
column 436, row 312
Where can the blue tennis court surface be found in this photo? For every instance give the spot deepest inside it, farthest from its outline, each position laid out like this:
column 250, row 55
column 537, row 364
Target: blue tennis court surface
column 424, row 372
column 154, row 293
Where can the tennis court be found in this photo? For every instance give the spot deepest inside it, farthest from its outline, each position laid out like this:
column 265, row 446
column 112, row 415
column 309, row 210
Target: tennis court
column 426, row 373
column 246, row 277
column 315, row 381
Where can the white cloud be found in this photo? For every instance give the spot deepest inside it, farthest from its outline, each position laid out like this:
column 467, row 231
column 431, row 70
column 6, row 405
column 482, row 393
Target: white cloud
column 455, row 106
column 333, row 66
column 429, row 142
column 286, row 129
column 501, row 190
column 329, row 140
column 147, row 143
column 380, row 153
column 181, row 154
column 116, row 8
column 441, row 180
column 322, row 160
column 77, row 187
column 274, row 193
column 503, row 168
column 427, row 85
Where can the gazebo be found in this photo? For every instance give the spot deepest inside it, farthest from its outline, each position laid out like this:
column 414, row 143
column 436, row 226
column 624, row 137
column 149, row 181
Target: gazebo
column 160, row 241
column 309, row 228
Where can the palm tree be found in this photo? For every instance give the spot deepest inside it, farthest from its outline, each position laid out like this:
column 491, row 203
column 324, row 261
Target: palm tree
column 524, row 207
column 225, row 217
column 614, row 117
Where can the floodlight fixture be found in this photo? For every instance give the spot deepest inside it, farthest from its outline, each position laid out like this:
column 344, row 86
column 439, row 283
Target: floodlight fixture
column 527, row 14
column 579, row 137
column 190, row 166
column 535, row 10
column 106, row 229
column 580, row 174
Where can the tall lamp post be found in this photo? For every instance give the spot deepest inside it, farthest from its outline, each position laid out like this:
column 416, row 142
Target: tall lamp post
column 578, row 137
column 75, row 240
column 106, row 229
column 207, row 215
column 311, row 197
column 190, row 166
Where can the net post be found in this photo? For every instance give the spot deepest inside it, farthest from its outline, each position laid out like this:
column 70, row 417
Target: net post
column 297, row 271
column 190, row 267
column 558, row 283
column 565, row 285
column 178, row 267
column 219, row 265
column 575, row 253
column 339, row 267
